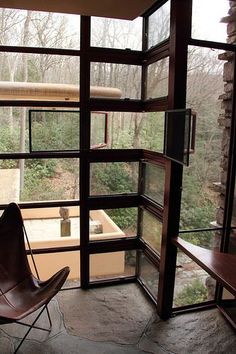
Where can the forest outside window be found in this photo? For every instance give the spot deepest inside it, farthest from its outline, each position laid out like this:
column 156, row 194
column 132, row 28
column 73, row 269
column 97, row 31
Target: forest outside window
column 126, row 78
column 132, row 130
column 151, row 230
column 157, row 79
column 39, row 29
column 113, row 178
column 39, row 179
column 159, row 25
column 23, row 68
column 13, row 134
column 192, row 284
column 53, row 130
column 114, row 33
column 199, row 205
column 154, row 182
column 99, row 130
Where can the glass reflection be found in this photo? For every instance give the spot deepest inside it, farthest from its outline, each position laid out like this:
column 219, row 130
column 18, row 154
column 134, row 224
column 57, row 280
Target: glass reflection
column 154, row 182
column 151, row 230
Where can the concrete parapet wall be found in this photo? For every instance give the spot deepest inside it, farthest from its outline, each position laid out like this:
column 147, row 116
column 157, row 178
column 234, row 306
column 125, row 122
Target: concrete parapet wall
column 43, row 228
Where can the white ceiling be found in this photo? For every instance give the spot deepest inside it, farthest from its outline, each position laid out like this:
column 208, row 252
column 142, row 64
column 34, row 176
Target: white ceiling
column 123, row 9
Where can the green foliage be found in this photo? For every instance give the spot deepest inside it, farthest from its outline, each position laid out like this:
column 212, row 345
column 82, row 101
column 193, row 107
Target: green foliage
column 195, row 216
column 38, row 169
column 55, row 131
column 37, row 184
column 152, row 133
column 35, row 189
column 126, row 218
column 8, row 139
column 112, row 178
column 193, row 293
column 8, row 142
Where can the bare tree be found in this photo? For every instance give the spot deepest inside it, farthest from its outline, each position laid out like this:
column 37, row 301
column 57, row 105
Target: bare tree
column 25, row 39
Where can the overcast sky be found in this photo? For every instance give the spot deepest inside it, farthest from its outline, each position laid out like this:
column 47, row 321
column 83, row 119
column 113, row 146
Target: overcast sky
column 206, row 17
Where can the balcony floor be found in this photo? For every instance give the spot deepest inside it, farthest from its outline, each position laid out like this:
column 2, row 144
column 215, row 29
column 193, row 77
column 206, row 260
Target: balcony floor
column 119, row 319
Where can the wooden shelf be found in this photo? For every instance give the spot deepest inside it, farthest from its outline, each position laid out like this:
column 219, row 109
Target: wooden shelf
column 221, row 266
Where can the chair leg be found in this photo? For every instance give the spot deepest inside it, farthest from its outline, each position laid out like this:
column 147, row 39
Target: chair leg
column 32, row 326
column 49, row 317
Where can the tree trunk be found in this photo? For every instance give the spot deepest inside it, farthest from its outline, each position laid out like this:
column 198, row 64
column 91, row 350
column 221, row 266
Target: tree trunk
column 23, row 111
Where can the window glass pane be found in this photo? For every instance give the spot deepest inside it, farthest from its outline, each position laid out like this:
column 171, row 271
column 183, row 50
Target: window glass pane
column 51, row 130
column 98, row 129
column 209, row 239
column 149, row 274
column 151, row 230
column 40, row 29
column 46, row 228
column 39, row 77
column 114, row 33
column 50, row 263
column 203, row 180
column 209, row 27
column 157, row 79
column 54, row 130
column 113, row 178
column 154, row 182
column 112, row 265
column 14, row 136
column 9, row 181
column 192, row 283
column 52, row 227
column 113, row 223
column 125, row 78
column 178, row 135
column 133, row 130
column 39, row 179
column 159, row 25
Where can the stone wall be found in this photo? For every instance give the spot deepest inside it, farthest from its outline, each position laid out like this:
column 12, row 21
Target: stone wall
column 224, row 122
column 226, row 105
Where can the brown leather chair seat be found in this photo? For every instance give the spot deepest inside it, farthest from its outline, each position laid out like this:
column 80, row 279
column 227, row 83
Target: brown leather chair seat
column 21, row 293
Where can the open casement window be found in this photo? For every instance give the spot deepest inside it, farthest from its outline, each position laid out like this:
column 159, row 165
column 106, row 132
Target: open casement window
column 99, row 130
column 179, row 142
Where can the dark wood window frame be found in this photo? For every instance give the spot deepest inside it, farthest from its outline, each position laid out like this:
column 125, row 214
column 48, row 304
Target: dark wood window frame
column 176, row 48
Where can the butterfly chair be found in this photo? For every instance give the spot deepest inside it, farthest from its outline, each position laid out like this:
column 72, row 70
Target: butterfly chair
column 21, row 293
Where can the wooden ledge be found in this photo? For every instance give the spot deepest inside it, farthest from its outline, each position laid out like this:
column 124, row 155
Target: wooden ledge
column 221, row 266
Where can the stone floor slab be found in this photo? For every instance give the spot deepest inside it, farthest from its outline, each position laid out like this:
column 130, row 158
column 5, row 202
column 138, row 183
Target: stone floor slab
column 117, row 320
column 203, row 332
column 6, row 345
column 17, row 331
column 68, row 344
column 117, row 314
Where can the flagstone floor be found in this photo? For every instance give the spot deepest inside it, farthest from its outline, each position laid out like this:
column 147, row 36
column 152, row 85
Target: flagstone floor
column 119, row 319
